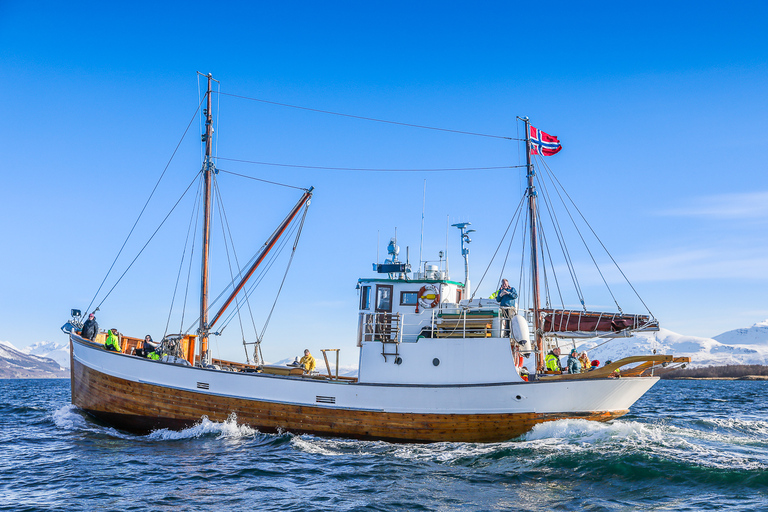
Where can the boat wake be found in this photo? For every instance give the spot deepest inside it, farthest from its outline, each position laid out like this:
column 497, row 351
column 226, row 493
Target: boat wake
column 732, row 445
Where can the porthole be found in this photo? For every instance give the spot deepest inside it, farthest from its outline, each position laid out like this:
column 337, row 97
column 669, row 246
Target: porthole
column 436, row 362
column 398, row 360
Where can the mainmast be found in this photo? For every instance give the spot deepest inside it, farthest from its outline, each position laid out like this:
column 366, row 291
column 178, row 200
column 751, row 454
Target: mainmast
column 208, row 169
column 531, row 193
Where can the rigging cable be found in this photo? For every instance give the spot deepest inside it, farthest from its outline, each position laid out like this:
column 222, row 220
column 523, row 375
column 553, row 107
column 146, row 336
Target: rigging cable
column 263, row 272
column 192, row 218
column 360, row 169
column 285, row 275
column 259, row 179
column 561, row 241
column 199, row 204
column 258, row 279
column 549, row 171
column 364, row 118
column 512, row 220
column 601, row 242
column 145, row 206
column 150, row 239
column 225, row 220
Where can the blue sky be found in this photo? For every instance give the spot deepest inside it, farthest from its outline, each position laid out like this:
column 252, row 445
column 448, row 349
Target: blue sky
column 661, row 109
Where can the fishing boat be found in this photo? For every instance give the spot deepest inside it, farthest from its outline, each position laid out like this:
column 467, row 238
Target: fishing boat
column 436, row 363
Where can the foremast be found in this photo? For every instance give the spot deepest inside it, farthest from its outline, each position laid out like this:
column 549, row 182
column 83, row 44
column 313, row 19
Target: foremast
column 208, row 170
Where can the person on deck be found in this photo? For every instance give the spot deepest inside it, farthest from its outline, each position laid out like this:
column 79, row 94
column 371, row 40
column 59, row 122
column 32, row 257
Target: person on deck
column 308, row 362
column 586, row 364
column 113, row 341
column 574, row 365
column 90, row 328
column 552, row 361
column 506, row 296
column 148, row 347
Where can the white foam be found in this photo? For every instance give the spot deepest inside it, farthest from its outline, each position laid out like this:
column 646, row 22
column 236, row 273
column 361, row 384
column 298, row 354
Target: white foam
column 222, row 430
column 67, row 418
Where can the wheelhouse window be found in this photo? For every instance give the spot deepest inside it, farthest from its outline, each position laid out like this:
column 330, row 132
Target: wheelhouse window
column 384, row 298
column 365, row 297
column 409, row 298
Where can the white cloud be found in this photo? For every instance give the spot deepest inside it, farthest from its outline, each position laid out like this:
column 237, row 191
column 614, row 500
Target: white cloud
column 749, row 205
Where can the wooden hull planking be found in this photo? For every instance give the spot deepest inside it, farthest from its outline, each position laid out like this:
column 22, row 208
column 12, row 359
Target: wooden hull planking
column 143, row 407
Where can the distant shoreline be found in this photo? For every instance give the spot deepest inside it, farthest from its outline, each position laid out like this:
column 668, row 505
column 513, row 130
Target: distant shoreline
column 746, row 377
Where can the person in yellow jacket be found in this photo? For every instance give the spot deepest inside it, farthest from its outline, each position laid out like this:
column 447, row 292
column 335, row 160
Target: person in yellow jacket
column 552, row 361
column 113, row 341
column 308, row 362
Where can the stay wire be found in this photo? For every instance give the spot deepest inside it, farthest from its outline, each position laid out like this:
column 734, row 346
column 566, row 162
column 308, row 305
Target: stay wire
column 198, row 206
column 511, row 221
column 192, row 218
column 545, row 245
column 262, row 273
column 586, row 246
column 257, row 280
column 285, row 275
column 601, row 243
column 509, row 247
column 561, row 241
column 224, row 230
column 148, row 241
column 361, row 169
column 259, row 179
column 364, row 118
column 154, row 189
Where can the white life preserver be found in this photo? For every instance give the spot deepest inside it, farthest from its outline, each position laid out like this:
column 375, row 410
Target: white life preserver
column 429, row 296
column 520, row 333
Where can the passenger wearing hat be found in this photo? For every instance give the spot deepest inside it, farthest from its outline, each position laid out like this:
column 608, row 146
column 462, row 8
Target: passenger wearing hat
column 113, row 342
column 90, row 328
column 574, row 365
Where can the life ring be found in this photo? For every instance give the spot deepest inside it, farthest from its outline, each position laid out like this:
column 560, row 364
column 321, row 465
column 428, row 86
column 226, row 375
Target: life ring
column 429, row 296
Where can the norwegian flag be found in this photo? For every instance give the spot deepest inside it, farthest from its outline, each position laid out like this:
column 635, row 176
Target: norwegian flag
column 543, row 143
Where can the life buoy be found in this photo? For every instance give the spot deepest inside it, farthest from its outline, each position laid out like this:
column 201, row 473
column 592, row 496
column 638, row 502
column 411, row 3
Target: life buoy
column 429, row 296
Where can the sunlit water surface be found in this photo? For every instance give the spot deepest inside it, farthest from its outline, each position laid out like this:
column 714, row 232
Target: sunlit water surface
column 686, row 445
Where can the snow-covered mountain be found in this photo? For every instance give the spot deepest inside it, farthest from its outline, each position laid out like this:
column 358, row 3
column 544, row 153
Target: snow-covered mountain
column 49, row 349
column 755, row 335
column 15, row 364
column 740, row 346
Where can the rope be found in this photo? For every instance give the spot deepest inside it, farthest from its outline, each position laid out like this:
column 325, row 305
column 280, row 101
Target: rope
column 366, row 118
column 145, row 206
column 192, row 218
column 561, row 241
column 259, row 179
column 601, row 244
column 362, row 169
column 585, row 242
column 512, row 220
column 290, row 260
column 224, row 229
column 150, row 239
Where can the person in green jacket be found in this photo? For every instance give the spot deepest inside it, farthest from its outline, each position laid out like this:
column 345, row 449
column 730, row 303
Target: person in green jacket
column 552, row 361
column 113, row 341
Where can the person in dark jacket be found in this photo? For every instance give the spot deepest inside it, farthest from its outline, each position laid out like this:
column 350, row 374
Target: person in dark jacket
column 506, row 296
column 90, row 328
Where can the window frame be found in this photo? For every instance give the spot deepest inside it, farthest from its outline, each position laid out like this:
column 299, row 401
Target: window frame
column 415, row 298
column 376, row 304
column 365, row 298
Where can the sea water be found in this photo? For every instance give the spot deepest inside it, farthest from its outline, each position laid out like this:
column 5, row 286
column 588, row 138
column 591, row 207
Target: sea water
column 686, row 445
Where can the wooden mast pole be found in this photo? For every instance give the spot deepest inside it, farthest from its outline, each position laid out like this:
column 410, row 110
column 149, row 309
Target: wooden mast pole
column 534, row 248
column 207, row 178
